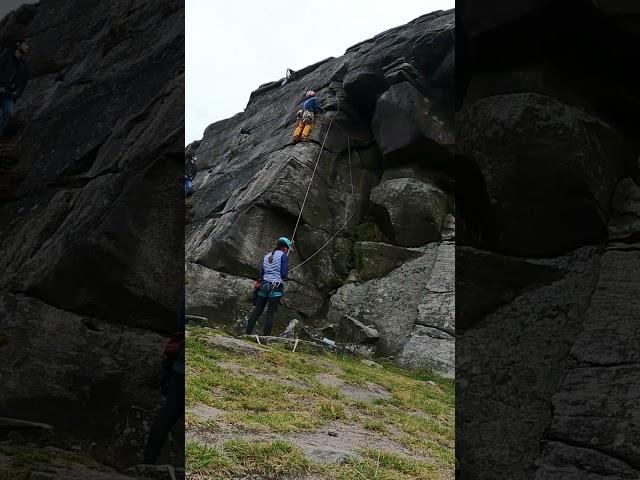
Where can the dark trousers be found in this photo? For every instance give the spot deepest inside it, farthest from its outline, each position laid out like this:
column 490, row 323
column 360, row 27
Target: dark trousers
column 168, row 415
column 262, row 302
column 7, row 107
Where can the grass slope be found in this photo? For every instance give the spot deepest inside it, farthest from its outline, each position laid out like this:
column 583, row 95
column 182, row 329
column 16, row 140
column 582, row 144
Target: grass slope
column 279, row 392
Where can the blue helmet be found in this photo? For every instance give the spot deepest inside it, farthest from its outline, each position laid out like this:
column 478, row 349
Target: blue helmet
column 286, row 241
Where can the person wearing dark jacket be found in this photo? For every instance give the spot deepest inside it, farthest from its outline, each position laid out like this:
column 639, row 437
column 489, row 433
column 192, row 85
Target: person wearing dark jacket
column 14, row 76
column 190, row 171
column 273, row 272
column 173, row 388
column 306, row 117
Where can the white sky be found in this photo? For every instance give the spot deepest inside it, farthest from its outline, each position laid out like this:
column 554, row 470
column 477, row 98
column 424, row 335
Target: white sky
column 7, row 6
column 232, row 47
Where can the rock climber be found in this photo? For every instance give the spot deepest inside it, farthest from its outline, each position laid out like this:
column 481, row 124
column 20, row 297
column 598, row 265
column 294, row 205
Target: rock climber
column 306, row 117
column 190, row 170
column 270, row 285
column 14, row 76
column 172, row 388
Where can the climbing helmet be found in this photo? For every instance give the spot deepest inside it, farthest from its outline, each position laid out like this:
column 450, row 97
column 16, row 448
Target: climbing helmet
column 286, row 241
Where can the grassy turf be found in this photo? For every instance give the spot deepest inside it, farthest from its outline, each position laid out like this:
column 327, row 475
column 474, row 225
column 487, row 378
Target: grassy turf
column 25, row 459
column 240, row 457
column 277, row 391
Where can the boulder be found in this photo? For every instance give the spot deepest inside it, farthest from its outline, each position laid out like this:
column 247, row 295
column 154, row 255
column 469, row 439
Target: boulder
column 312, row 334
column 100, row 391
column 510, row 276
column 405, row 117
column 548, row 192
column 429, row 349
column 350, row 330
column 290, row 331
column 220, row 297
column 363, row 86
column 437, row 306
column 375, row 259
column 409, row 212
column 416, row 172
column 561, row 461
column 402, row 301
column 406, row 72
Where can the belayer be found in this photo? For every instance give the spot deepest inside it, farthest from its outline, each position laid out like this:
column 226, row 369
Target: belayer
column 270, row 286
column 306, row 117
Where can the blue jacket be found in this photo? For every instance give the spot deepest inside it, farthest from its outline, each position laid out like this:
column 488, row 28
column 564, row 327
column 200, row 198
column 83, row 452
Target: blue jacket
column 311, row 104
column 277, row 270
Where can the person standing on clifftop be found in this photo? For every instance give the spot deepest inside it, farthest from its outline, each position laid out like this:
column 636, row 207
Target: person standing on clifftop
column 273, row 272
column 14, row 76
column 306, row 117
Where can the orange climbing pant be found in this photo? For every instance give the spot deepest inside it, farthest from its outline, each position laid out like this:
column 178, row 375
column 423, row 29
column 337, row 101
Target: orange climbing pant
column 304, row 126
column 303, row 129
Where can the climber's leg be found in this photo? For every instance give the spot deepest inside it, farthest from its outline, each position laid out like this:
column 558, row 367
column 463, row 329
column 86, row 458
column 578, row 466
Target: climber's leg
column 297, row 132
column 307, row 130
column 274, row 302
column 166, row 418
column 261, row 302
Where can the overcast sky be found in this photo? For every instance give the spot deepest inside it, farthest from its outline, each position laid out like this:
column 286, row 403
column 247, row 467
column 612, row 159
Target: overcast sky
column 233, row 47
column 7, row 6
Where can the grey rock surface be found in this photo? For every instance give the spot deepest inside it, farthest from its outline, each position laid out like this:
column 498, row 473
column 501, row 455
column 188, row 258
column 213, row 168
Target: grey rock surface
column 409, row 211
column 547, row 209
column 90, row 230
column 351, row 330
column 387, row 118
column 376, row 259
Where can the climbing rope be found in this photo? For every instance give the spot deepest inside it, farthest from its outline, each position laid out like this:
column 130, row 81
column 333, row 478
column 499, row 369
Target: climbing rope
column 306, row 195
column 353, row 203
column 314, row 172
